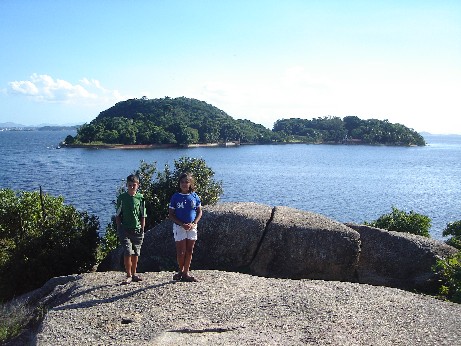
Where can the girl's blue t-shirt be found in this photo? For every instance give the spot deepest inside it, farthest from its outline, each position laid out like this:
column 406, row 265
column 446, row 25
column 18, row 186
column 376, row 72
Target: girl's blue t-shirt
column 185, row 206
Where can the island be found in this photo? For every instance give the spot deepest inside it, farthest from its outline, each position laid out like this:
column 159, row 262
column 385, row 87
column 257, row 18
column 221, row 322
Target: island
column 166, row 122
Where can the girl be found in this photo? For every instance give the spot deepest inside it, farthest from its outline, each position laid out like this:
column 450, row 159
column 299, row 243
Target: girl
column 185, row 211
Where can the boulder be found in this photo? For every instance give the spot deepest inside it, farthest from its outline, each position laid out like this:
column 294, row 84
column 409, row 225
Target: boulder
column 283, row 242
column 304, row 245
column 228, row 237
column 397, row 259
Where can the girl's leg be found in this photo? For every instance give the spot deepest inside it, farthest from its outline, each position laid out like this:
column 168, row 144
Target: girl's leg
column 189, row 249
column 181, row 254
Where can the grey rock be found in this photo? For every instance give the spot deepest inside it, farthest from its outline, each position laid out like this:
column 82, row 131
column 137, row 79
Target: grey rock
column 397, row 259
column 226, row 308
column 228, row 237
column 283, row 242
column 299, row 244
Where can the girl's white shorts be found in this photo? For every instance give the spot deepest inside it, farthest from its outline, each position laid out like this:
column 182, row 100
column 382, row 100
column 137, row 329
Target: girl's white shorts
column 180, row 233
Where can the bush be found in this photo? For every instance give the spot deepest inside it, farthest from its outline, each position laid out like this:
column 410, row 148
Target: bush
column 400, row 221
column 453, row 229
column 41, row 238
column 158, row 187
column 449, row 271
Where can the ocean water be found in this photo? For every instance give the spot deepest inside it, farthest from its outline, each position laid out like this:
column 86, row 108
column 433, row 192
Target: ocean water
column 345, row 183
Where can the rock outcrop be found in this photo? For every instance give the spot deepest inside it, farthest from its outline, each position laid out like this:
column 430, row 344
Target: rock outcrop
column 398, row 259
column 283, row 242
column 226, row 308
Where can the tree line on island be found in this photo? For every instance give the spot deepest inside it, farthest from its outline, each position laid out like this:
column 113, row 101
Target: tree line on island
column 186, row 121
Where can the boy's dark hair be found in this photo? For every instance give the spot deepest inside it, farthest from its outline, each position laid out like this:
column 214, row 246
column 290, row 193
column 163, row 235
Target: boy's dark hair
column 132, row 178
column 190, row 179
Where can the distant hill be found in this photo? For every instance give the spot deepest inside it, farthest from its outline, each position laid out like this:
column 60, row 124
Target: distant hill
column 10, row 124
column 185, row 121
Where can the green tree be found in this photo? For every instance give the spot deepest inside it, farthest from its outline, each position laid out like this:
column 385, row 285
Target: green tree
column 158, row 187
column 401, row 221
column 41, row 238
column 453, row 229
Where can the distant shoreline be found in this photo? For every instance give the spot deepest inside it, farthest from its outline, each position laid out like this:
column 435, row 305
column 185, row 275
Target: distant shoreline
column 149, row 146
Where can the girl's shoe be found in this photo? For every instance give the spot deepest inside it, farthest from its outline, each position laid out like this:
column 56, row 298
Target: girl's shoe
column 127, row 280
column 137, row 278
column 177, row 276
column 188, row 278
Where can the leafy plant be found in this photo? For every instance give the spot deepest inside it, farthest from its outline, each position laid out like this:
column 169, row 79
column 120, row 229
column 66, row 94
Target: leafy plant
column 41, row 238
column 401, row 221
column 449, row 271
column 158, row 187
column 453, row 229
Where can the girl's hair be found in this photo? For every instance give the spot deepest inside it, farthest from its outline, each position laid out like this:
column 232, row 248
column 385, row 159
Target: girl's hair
column 190, row 179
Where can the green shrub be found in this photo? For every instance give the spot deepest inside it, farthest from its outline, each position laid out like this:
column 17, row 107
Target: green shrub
column 41, row 238
column 400, row 221
column 449, row 272
column 158, row 187
column 453, row 229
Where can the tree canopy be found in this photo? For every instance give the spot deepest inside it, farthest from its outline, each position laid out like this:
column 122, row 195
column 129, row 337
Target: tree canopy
column 184, row 121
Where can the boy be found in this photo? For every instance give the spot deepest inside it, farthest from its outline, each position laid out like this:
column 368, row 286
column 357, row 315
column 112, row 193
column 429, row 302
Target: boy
column 131, row 220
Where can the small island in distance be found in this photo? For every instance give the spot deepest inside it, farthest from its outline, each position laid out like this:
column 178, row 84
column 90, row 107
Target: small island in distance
column 187, row 122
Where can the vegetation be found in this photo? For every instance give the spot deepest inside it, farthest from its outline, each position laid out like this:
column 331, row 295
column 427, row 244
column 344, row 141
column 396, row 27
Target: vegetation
column 15, row 317
column 41, row 238
column 401, row 221
column 453, row 229
column 158, row 187
column 351, row 129
column 184, row 121
column 449, row 271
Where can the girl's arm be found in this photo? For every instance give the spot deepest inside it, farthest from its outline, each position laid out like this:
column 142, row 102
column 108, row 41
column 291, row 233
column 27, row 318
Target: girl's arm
column 199, row 215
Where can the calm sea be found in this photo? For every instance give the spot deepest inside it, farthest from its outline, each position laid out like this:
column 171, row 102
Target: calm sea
column 345, row 183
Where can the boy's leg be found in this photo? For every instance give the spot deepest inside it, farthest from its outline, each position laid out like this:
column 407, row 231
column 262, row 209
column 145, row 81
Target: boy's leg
column 128, row 265
column 134, row 264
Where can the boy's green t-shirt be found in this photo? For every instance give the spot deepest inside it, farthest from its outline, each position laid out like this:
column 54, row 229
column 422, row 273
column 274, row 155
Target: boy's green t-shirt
column 131, row 209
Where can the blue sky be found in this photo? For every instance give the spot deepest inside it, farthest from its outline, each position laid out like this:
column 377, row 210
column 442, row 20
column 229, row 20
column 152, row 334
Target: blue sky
column 63, row 62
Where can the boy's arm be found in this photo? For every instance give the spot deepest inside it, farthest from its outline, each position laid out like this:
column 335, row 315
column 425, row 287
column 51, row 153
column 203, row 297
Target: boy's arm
column 143, row 223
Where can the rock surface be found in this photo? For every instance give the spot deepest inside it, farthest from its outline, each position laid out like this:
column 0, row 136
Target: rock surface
column 226, row 308
column 284, row 242
column 398, row 259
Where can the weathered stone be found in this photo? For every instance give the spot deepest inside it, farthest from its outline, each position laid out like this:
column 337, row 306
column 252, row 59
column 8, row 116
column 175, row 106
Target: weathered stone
column 228, row 237
column 398, row 259
column 284, row 242
column 299, row 244
column 226, row 308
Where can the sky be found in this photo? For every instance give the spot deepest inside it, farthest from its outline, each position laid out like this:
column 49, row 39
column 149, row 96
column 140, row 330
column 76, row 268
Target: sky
column 63, row 62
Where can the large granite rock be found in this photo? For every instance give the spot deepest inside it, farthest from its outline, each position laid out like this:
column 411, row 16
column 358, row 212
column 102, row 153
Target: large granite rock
column 397, row 259
column 283, row 242
column 226, row 308
column 299, row 244
column 229, row 236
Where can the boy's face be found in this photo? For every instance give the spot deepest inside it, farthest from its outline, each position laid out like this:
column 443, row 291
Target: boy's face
column 132, row 187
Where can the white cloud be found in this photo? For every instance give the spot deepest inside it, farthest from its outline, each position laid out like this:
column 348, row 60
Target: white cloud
column 44, row 88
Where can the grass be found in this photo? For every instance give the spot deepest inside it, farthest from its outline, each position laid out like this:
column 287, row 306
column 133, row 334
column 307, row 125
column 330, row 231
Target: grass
column 15, row 318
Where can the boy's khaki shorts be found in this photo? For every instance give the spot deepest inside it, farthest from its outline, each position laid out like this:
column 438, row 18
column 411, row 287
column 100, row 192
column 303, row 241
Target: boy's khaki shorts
column 131, row 240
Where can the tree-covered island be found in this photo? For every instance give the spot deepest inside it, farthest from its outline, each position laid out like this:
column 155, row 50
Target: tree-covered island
column 185, row 121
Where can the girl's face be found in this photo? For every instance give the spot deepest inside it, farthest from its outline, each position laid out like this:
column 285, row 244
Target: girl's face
column 184, row 185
